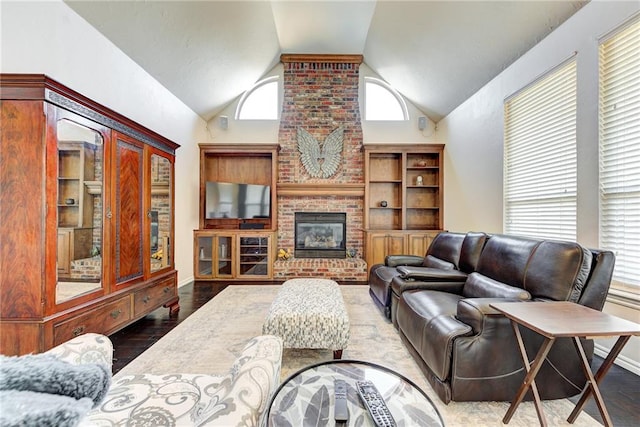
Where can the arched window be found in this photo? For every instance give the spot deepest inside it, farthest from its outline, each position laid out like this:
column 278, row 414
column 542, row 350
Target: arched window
column 260, row 102
column 382, row 102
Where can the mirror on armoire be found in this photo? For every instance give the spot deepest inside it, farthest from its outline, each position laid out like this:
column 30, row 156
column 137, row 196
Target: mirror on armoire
column 79, row 207
column 160, row 213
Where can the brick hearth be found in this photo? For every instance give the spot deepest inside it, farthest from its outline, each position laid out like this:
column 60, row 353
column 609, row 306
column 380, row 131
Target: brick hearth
column 321, row 94
column 349, row 269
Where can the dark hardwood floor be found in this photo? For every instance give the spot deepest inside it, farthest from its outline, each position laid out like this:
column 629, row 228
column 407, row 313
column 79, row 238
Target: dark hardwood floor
column 620, row 388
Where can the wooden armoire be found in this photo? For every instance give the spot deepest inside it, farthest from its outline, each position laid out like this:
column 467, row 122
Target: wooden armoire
column 86, row 217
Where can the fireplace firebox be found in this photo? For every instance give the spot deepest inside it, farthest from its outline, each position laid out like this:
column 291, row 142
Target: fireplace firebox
column 320, row 234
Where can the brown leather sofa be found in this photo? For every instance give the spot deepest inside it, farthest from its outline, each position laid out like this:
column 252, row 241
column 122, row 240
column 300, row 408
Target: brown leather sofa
column 467, row 350
column 449, row 259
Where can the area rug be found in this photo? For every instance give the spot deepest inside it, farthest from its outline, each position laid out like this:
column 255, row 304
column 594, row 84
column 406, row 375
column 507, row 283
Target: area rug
column 210, row 339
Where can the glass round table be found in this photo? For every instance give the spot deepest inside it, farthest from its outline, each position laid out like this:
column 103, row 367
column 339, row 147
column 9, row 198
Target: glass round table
column 307, row 397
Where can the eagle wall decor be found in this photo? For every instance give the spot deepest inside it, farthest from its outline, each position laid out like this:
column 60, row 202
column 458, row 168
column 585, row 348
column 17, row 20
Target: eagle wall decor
column 320, row 162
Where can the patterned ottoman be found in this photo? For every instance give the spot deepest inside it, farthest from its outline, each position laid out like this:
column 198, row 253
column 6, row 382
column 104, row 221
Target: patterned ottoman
column 309, row 313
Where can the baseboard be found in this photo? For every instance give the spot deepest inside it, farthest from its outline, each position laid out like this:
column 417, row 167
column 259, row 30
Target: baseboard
column 186, row 281
column 622, row 361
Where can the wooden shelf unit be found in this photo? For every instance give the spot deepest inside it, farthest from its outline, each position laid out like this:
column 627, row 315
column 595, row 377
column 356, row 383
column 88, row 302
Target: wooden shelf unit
column 403, row 199
column 394, row 199
column 232, row 248
column 240, row 163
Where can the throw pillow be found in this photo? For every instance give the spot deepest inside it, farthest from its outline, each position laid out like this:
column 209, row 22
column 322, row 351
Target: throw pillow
column 46, row 373
column 28, row 408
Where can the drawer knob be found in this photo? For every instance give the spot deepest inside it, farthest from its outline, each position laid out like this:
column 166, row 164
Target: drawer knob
column 116, row 313
column 78, row 331
column 167, row 290
column 146, row 299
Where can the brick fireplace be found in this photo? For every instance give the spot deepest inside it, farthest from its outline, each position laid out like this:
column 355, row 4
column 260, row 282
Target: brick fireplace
column 321, row 95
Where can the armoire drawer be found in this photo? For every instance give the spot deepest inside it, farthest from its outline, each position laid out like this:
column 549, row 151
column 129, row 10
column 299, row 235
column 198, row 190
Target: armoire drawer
column 154, row 296
column 100, row 320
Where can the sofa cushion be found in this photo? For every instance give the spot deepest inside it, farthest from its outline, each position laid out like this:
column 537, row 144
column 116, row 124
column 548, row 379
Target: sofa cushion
column 170, row 399
column 432, row 262
column 470, row 252
column 238, row 398
column 479, row 286
column 558, row 271
column 504, row 258
column 445, row 246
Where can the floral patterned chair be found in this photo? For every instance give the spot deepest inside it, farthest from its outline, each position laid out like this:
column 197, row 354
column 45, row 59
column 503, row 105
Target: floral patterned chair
column 237, row 398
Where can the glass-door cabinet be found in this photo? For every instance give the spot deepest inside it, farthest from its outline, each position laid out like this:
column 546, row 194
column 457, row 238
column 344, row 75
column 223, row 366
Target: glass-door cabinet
column 215, row 253
column 254, row 260
column 224, row 254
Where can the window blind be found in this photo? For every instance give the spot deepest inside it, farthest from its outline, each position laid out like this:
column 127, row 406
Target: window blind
column 619, row 120
column 540, row 157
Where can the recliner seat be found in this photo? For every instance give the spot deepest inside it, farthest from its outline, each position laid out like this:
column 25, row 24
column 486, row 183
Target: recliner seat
column 449, row 259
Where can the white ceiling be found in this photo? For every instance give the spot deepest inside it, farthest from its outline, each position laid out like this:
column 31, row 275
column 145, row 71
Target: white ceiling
column 435, row 53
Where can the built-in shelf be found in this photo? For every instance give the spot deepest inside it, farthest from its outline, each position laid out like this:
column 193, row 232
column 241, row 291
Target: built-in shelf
column 403, row 199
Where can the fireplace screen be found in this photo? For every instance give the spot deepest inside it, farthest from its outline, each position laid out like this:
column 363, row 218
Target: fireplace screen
column 320, row 235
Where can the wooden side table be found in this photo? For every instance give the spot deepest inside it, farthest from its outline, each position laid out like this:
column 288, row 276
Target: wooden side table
column 564, row 319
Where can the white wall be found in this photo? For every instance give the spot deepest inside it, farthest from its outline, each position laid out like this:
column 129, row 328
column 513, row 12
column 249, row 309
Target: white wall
column 473, row 134
column 49, row 38
column 266, row 131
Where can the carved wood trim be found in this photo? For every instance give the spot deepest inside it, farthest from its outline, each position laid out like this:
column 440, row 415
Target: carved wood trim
column 40, row 86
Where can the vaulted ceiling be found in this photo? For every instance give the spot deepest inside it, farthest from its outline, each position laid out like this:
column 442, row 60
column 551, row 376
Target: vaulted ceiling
column 435, row 53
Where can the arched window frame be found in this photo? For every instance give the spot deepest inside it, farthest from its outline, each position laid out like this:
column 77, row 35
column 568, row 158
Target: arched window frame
column 258, row 85
column 393, row 92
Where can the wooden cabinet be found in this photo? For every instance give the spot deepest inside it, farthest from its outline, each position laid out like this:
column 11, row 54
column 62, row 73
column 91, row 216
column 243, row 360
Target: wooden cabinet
column 237, row 247
column 86, row 234
column 73, row 244
column 241, row 255
column 379, row 244
column 403, row 198
column 418, row 243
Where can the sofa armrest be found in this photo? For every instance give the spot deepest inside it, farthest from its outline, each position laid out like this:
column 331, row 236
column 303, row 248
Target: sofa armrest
column 428, row 274
column 478, row 313
column 254, row 376
column 83, row 349
column 396, row 260
column 400, row 285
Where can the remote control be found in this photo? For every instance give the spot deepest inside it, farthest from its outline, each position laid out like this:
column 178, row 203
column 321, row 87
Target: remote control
column 375, row 404
column 340, row 410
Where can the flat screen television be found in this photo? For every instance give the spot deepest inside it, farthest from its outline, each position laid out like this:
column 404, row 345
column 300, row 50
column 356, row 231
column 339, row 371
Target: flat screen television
column 236, row 200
